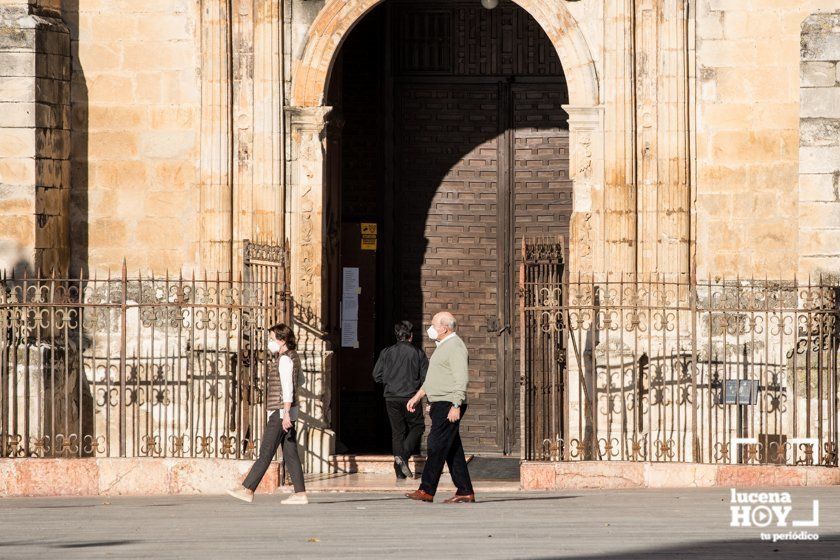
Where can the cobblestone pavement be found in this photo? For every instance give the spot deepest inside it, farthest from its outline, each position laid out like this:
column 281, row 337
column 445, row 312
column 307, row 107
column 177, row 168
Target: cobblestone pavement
column 638, row 524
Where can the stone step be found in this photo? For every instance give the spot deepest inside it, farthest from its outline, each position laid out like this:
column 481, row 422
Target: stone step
column 370, row 464
column 374, row 464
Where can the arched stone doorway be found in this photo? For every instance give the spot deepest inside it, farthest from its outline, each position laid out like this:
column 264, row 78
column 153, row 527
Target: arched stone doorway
column 316, row 178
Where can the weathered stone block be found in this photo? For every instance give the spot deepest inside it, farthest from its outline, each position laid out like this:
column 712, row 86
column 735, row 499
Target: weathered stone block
column 726, row 53
column 53, row 143
column 54, row 40
column 107, row 232
column 594, row 474
column 815, row 242
column 820, row 102
column 167, row 144
column 17, row 171
column 108, row 88
column 17, row 142
column 820, row 41
column 820, row 132
column 818, row 188
column 17, row 89
column 537, row 475
column 819, row 159
column 817, row 74
column 14, row 38
column 819, row 213
column 50, row 173
column 113, row 145
column 17, row 64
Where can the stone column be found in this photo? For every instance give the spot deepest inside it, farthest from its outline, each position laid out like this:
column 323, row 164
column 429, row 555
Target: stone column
column 311, row 239
column 619, row 218
column 586, row 138
column 586, row 255
column 34, row 136
column 216, row 233
column 819, row 146
column 661, row 138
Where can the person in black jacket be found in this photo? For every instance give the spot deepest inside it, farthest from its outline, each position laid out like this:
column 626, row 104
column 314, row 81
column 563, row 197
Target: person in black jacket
column 402, row 369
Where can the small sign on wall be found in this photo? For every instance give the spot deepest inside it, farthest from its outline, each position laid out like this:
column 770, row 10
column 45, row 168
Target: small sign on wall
column 368, row 237
column 350, row 291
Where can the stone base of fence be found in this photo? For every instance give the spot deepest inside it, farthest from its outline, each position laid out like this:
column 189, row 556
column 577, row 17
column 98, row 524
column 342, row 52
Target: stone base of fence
column 538, row 475
column 126, row 477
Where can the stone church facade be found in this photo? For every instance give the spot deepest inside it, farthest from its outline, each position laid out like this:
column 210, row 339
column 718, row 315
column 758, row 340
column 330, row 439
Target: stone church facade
column 697, row 138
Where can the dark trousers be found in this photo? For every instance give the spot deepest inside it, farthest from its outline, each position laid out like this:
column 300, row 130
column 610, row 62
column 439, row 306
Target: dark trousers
column 274, row 437
column 406, row 427
column 444, row 446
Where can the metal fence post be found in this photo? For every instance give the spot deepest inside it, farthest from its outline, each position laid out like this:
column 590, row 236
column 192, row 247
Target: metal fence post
column 123, row 328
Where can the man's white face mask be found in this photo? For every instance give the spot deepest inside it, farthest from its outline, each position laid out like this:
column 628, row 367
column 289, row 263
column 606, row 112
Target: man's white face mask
column 273, row 346
column 432, row 332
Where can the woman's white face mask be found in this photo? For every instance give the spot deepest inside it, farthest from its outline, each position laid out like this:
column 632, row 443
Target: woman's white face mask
column 432, row 332
column 273, row 346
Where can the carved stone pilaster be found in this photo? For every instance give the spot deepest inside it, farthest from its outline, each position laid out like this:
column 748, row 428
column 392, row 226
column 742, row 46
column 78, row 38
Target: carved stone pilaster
column 586, row 141
column 314, row 133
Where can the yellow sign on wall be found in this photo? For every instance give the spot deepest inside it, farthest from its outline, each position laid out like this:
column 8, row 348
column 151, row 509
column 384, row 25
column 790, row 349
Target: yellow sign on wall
column 368, row 237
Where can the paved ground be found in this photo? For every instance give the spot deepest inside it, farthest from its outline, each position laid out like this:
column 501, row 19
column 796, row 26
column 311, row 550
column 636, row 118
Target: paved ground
column 634, row 525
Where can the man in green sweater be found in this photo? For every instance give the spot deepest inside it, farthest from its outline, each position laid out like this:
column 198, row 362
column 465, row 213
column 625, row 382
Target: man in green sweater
column 446, row 388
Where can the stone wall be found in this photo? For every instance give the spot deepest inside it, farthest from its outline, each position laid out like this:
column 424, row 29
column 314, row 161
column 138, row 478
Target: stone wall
column 177, row 142
column 819, row 145
column 136, row 107
column 747, row 152
column 35, row 137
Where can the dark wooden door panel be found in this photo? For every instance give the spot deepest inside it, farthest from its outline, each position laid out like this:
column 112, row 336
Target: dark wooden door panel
column 542, row 190
column 447, row 227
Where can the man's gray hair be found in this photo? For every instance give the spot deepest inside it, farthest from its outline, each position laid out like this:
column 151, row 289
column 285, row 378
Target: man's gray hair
column 448, row 320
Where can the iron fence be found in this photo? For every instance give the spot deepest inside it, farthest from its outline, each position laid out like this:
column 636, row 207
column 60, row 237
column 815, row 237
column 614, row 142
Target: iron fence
column 136, row 367
column 651, row 369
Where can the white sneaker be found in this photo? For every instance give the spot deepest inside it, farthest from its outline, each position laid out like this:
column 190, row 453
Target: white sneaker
column 296, row 499
column 241, row 493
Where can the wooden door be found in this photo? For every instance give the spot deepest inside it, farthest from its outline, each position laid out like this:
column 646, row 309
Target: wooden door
column 448, row 227
column 474, row 156
column 541, row 198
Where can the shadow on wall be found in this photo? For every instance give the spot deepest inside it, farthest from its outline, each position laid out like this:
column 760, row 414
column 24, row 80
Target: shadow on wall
column 79, row 174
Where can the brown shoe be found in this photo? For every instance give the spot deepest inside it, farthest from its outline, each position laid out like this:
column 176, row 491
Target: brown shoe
column 420, row 496
column 456, row 499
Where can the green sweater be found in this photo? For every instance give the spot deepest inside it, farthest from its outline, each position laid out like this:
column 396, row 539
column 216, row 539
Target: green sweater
column 448, row 374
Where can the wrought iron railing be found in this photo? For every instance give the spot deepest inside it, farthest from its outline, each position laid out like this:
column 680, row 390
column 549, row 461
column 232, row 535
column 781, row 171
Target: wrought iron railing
column 649, row 369
column 135, row 367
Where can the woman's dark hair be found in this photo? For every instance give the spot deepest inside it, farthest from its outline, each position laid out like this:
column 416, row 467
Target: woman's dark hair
column 284, row 333
column 403, row 330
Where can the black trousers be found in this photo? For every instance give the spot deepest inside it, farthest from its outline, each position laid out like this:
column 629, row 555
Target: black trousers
column 444, row 446
column 273, row 437
column 406, row 427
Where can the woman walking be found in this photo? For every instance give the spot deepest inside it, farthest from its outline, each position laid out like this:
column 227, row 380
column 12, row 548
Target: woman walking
column 281, row 405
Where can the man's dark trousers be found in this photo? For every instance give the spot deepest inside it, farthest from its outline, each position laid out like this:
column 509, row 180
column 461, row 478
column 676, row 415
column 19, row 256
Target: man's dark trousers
column 444, row 446
column 406, row 427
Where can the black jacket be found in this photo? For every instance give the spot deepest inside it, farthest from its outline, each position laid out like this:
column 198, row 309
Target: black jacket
column 402, row 368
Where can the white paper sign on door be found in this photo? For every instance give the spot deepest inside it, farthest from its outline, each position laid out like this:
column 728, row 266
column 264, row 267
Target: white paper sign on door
column 350, row 290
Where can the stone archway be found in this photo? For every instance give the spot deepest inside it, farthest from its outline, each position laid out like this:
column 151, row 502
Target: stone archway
column 338, row 17
column 314, row 220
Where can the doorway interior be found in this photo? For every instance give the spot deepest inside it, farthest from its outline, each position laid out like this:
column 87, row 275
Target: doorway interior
column 455, row 146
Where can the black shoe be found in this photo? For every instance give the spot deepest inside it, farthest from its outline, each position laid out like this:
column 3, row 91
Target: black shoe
column 402, row 467
column 398, row 471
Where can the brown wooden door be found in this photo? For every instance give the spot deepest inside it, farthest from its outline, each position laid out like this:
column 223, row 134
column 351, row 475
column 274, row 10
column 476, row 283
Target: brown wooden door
column 478, row 165
column 447, row 227
column 457, row 139
column 541, row 196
